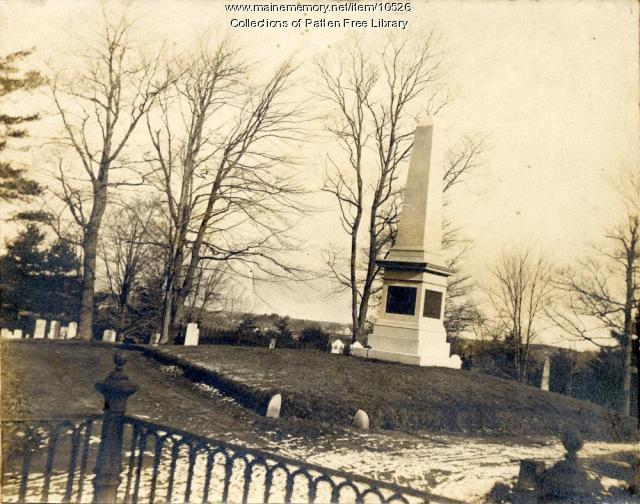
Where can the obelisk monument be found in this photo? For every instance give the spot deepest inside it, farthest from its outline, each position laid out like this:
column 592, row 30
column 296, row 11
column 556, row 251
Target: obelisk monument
column 410, row 328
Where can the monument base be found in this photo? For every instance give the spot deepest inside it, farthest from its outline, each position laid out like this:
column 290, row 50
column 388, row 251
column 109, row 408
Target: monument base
column 453, row 361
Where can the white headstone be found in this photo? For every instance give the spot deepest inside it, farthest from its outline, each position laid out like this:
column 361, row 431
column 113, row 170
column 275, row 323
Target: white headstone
column 192, row 335
column 17, row 334
column 273, row 409
column 109, row 335
column 337, row 347
column 272, row 343
column 54, row 330
column 361, row 419
column 155, row 338
column 357, row 344
column 41, row 327
column 544, row 385
column 72, row 331
column 6, row 333
column 64, row 331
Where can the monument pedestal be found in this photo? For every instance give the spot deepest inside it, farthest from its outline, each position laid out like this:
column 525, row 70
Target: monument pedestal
column 410, row 328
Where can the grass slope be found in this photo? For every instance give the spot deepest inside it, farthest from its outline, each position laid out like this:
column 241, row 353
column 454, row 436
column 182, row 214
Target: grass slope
column 331, row 388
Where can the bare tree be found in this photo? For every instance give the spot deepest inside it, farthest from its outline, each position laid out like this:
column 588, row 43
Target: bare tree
column 130, row 259
column 460, row 313
column 100, row 106
column 225, row 188
column 522, row 291
column 377, row 103
column 209, row 290
column 604, row 289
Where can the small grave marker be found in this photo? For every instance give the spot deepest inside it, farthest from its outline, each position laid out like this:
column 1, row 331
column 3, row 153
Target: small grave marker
column 361, row 419
column 192, row 335
column 544, row 385
column 337, row 347
column 54, row 330
column 109, row 336
column 72, row 331
column 41, row 327
column 275, row 404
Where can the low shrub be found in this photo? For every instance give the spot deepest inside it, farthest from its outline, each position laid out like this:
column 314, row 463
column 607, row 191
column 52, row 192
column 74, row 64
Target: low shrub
column 313, row 337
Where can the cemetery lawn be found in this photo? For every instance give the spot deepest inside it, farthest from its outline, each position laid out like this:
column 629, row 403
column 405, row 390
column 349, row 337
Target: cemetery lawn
column 330, row 388
column 44, row 380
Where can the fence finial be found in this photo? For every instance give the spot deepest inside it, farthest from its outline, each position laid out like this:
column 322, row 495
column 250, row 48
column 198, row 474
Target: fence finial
column 116, row 389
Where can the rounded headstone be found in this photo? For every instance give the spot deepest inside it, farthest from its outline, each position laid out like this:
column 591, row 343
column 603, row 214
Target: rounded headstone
column 455, row 362
column 273, row 409
column 361, row 419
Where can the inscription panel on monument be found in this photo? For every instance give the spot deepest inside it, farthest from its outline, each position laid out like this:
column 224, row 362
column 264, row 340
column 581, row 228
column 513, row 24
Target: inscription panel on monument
column 432, row 304
column 401, row 300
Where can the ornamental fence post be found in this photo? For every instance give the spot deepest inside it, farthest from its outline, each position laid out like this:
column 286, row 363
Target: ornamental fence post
column 116, row 389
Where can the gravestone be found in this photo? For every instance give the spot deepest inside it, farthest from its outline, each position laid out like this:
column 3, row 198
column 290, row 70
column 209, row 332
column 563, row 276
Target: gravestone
column 6, row 333
column 64, row 331
column 410, row 327
column 275, row 404
column 41, row 327
column 337, row 347
column 546, row 370
column 155, row 338
column 54, row 330
column 192, row 335
column 109, row 336
column 272, row 343
column 361, row 419
column 72, row 331
column 17, row 334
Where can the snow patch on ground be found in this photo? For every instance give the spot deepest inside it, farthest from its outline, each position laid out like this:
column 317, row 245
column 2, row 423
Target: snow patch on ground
column 457, row 467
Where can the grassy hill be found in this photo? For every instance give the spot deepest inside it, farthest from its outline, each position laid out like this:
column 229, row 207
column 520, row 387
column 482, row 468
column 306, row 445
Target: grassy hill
column 331, row 388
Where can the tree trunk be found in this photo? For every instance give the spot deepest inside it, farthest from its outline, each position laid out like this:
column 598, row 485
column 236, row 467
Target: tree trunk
column 628, row 329
column 184, row 290
column 90, row 248
column 85, row 325
column 355, row 324
column 166, row 318
column 626, row 386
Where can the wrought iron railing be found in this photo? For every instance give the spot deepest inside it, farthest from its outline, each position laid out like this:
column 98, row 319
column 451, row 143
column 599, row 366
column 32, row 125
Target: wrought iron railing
column 118, row 458
column 49, row 460
column 168, row 464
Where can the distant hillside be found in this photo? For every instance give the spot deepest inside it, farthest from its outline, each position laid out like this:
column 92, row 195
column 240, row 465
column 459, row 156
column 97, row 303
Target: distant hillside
column 230, row 320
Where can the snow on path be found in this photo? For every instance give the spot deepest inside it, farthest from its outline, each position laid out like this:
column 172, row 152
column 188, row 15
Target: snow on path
column 457, row 467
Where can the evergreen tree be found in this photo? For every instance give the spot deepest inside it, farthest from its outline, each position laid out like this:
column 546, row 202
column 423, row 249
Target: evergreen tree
column 13, row 182
column 37, row 281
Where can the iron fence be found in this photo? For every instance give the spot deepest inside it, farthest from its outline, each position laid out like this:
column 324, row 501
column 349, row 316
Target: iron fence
column 49, row 460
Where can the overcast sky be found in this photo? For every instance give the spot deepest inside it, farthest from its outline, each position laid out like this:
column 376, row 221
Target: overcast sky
column 553, row 85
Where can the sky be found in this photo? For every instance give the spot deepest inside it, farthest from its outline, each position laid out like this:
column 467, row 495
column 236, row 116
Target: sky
column 553, row 85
